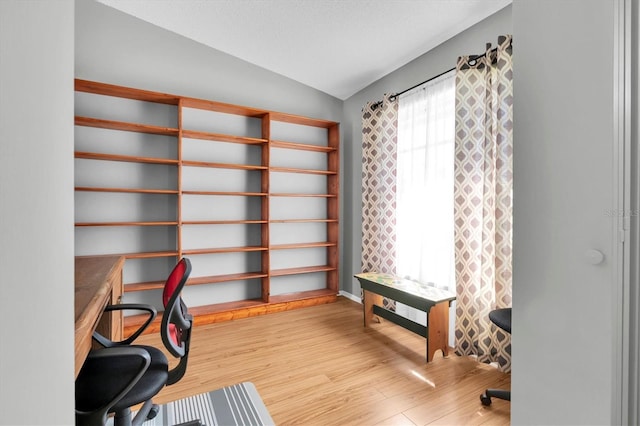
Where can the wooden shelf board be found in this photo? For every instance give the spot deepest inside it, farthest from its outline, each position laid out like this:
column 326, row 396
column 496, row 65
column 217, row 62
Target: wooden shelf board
column 223, row 222
column 124, row 92
column 222, row 107
column 303, row 221
column 138, row 255
column 306, row 171
column 224, row 250
column 302, row 295
column 124, row 158
column 210, row 314
column 125, row 126
column 301, row 146
column 213, row 279
column 301, row 270
column 220, row 137
column 127, row 190
column 222, row 165
column 144, row 286
column 149, row 254
column 127, row 223
column 305, row 121
column 225, row 193
column 285, row 194
column 301, row 245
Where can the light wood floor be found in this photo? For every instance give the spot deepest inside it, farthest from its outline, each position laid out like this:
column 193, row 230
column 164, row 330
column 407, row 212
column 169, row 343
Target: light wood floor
column 320, row 366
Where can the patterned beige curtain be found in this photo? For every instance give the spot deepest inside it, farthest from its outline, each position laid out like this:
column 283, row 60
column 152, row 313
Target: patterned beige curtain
column 483, row 201
column 379, row 162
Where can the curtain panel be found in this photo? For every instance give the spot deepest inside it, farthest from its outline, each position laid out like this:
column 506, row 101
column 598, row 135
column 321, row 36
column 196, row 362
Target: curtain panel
column 379, row 164
column 483, row 171
column 426, row 131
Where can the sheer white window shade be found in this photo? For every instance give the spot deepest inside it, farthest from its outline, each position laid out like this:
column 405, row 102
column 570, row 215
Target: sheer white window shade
column 426, row 134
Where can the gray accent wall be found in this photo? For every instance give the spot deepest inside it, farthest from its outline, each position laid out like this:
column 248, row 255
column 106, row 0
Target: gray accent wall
column 36, row 213
column 432, row 63
column 116, row 48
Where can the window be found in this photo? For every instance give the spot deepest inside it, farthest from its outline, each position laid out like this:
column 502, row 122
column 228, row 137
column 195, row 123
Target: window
column 426, row 135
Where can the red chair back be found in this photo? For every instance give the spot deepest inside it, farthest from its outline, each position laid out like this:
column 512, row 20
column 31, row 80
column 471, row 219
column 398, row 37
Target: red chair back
column 176, row 320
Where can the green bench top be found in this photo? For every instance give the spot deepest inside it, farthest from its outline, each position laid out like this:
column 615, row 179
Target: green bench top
column 419, row 290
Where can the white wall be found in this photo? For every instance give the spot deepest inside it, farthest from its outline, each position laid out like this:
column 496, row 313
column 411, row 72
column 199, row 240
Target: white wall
column 564, row 309
column 36, row 212
column 633, row 402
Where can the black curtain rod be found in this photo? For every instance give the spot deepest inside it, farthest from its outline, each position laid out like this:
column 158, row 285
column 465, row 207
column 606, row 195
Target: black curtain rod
column 395, row 95
column 392, row 97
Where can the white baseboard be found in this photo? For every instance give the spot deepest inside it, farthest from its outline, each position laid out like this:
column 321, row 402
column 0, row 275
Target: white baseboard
column 350, row 296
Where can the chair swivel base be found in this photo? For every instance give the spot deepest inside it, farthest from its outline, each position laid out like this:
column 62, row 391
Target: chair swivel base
column 485, row 398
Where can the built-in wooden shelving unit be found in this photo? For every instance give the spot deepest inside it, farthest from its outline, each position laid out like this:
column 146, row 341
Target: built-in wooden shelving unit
column 249, row 195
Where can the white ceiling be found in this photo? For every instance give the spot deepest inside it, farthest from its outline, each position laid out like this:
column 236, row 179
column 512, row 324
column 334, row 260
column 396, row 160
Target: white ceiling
column 336, row 46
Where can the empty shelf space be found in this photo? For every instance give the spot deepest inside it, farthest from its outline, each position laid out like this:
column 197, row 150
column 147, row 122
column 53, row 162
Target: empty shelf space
column 220, row 137
column 302, row 146
column 223, row 165
column 124, row 158
column 213, row 279
column 301, row 270
column 224, row 250
column 125, row 126
column 308, row 171
column 301, row 245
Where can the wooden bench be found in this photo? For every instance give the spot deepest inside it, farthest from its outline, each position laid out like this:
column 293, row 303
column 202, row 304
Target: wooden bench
column 434, row 301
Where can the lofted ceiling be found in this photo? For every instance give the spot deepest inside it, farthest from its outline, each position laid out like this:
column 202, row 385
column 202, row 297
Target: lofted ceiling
column 336, row 46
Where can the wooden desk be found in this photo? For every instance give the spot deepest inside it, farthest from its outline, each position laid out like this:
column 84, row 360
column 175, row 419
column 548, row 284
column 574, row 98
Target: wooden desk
column 434, row 301
column 98, row 283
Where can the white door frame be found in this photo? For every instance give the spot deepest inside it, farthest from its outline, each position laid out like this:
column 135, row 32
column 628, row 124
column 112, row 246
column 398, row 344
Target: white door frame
column 627, row 206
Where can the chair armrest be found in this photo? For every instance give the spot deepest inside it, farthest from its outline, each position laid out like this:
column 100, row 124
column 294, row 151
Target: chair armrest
column 107, row 364
column 150, row 310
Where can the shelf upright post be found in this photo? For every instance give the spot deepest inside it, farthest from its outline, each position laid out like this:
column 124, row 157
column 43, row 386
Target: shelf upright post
column 264, row 188
column 333, row 206
column 179, row 183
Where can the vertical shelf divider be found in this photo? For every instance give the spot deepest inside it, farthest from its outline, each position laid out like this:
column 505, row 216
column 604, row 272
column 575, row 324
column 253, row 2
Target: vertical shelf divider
column 264, row 215
column 179, row 176
column 333, row 206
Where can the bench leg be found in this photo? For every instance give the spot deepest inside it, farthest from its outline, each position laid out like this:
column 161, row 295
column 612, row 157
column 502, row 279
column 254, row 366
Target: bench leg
column 370, row 299
column 438, row 330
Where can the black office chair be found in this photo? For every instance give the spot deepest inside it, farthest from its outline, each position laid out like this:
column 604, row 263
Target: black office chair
column 501, row 318
column 115, row 378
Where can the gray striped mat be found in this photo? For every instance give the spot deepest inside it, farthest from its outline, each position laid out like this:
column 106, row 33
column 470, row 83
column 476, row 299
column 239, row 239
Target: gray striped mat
column 232, row 405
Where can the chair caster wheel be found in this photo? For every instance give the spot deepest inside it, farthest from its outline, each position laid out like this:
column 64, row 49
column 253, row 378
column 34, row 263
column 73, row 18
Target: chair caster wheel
column 486, row 400
column 153, row 411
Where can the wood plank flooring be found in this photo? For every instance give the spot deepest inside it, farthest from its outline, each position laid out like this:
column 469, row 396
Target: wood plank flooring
column 320, row 366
